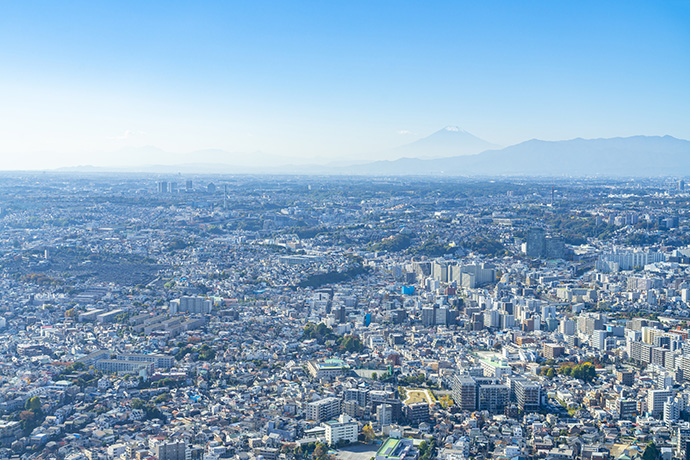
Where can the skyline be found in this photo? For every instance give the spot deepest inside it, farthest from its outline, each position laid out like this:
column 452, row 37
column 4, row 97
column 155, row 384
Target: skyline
column 332, row 81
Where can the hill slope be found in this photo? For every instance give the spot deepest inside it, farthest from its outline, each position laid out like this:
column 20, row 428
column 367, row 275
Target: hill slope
column 630, row 156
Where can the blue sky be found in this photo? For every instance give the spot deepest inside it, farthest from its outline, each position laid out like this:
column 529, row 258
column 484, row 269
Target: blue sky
column 332, row 79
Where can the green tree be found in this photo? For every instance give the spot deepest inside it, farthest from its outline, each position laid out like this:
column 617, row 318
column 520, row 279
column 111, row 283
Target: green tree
column 320, row 451
column 162, row 398
column 351, row 343
column 584, row 371
column 565, row 370
column 393, row 243
column 206, row 353
column 32, row 416
column 651, row 452
column 33, row 404
column 423, row 446
column 429, row 450
column 137, row 403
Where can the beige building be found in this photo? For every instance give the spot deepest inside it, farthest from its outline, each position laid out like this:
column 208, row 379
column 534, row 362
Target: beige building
column 343, row 429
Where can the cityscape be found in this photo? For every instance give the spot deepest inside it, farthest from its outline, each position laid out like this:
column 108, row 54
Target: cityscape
column 345, row 230
column 208, row 317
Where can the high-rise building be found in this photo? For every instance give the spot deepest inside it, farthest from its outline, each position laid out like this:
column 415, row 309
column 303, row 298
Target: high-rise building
column 428, row 316
column 553, row 350
column 590, row 322
column 683, row 439
column 567, row 327
column 340, row 314
column 190, row 304
column 656, row 400
column 493, row 398
column 491, row 318
column 323, row 409
column 353, row 409
column 625, row 377
column 465, row 392
column 396, row 406
column 384, row 415
column 599, row 340
column 439, row 271
column 357, row 394
column 664, row 381
column 527, row 394
column 685, row 367
column 168, row 450
column 536, row 238
column 554, row 248
column 417, row 412
column 343, row 429
column 627, row 260
column 539, row 245
column 442, row 316
column 626, row 409
column 671, row 411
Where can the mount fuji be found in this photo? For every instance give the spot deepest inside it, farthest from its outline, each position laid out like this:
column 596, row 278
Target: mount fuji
column 450, row 141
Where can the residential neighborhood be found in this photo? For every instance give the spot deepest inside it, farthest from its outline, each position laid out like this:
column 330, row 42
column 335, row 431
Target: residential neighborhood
column 240, row 317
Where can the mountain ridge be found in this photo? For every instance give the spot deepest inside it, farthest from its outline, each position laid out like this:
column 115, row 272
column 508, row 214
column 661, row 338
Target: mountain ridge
column 636, row 156
column 448, row 141
column 619, row 156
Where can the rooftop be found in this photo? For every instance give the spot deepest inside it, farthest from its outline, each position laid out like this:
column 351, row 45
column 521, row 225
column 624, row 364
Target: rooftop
column 389, row 449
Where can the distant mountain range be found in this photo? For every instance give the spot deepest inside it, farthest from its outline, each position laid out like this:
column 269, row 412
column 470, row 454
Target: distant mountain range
column 447, row 142
column 630, row 156
column 461, row 154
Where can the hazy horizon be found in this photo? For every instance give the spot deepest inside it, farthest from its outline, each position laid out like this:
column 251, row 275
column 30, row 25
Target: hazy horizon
column 329, row 82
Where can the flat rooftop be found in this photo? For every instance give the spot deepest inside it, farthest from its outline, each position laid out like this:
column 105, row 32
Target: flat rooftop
column 389, row 449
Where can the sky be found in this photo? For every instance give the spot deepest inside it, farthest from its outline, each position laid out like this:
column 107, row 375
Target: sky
column 331, row 79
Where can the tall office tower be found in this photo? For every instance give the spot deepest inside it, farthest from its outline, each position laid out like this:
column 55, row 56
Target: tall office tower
column 536, row 240
column 429, row 316
column 599, row 340
column 656, row 400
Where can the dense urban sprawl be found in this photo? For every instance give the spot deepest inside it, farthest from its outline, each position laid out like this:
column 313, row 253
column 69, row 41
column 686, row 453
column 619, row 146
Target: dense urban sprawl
column 213, row 317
